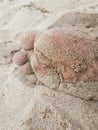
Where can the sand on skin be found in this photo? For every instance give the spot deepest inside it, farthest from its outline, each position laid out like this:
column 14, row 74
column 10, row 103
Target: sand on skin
column 20, row 103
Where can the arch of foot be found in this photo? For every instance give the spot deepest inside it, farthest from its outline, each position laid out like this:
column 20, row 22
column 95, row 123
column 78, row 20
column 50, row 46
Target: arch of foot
column 61, row 56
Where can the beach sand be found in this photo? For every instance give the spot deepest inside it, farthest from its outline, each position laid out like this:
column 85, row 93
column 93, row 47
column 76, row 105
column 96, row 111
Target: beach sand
column 34, row 106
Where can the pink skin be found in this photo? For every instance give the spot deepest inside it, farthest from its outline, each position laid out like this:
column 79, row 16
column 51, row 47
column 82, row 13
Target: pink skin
column 39, row 68
column 69, row 54
column 68, row 49
column 29, row 54
column 20, row 58
column 26, row 69
column 27, row 40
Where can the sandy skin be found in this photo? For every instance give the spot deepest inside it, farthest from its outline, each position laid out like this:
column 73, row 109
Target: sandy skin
column 71, row 55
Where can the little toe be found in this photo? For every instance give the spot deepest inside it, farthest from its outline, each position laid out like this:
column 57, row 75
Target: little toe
column 26, row 69
column 20, row 58
column 27, row 40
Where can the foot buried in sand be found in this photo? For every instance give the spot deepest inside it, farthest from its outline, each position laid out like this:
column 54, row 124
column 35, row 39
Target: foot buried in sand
column 57, row 56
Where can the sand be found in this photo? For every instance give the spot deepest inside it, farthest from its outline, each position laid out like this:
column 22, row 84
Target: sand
column 34, row 106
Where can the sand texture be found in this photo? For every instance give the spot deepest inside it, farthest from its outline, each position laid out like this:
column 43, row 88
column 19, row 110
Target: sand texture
column 41, row 92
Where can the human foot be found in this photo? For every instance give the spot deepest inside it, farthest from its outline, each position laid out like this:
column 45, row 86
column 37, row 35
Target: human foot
column 22, row 57
column 57, row 56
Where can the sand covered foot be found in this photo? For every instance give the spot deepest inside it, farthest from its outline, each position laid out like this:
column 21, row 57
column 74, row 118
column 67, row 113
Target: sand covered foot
column 22, row 58
column 59, row 56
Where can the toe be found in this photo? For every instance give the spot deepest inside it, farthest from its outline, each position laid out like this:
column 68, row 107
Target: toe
column 26, row 69
column 27, row 40
column 29, row 53
column 20, row 58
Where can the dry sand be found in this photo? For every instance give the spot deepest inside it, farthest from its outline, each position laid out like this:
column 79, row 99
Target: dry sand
column 25, row 106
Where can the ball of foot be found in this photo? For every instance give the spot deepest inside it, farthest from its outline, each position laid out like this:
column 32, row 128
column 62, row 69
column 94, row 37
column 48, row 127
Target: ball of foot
column 20, row 58
column 46, row 74
column 70, row 53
